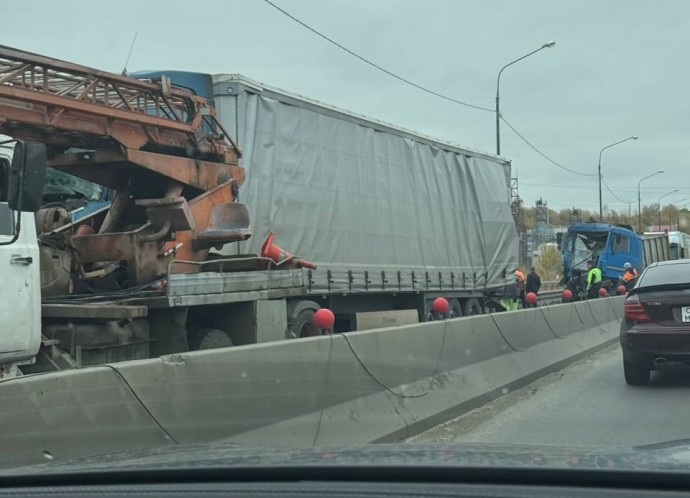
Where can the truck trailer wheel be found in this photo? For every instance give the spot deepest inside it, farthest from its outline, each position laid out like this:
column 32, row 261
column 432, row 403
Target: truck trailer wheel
column 472, row 307
column 201, row 339
column 301, row 319
column 454, row 308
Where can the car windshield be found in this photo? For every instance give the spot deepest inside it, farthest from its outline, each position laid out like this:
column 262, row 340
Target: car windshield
column 268, row 225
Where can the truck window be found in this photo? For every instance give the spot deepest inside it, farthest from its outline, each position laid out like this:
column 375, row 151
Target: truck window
column 621, row 243
column 61, row 186
column 4, row 179
column 6, row 220
column 6, row 217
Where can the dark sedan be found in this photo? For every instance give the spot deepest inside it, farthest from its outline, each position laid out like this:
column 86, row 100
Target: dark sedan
column 655, row 332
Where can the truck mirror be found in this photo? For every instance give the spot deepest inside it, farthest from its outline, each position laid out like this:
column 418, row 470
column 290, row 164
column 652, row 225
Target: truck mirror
column 559, row 240
column 27, row 176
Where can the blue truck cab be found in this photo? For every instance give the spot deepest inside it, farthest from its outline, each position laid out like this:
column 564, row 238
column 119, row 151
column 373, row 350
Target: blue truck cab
column 609, row 247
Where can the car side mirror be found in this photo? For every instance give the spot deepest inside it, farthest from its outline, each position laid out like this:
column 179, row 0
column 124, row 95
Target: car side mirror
column 27, row 176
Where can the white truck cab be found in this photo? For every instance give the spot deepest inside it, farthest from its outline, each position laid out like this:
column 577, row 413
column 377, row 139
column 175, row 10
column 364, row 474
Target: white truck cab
column 20, row 292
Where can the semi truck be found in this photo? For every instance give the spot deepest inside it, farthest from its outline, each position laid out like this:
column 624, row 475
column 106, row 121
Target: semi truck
column 609, row 247
column 392, row 218
column 173, row 259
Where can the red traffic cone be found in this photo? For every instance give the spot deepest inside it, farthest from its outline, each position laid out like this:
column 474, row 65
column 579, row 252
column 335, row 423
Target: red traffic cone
column 280, row 256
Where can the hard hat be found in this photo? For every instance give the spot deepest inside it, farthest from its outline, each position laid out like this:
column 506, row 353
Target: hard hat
column 627, row 266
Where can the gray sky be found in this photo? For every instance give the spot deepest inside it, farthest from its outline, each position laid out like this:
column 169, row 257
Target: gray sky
column 619, row 69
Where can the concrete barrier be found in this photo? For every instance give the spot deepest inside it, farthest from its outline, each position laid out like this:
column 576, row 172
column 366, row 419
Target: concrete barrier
column 369, row 386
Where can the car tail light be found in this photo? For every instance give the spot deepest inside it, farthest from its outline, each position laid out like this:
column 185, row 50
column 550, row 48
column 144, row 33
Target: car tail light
column 634, row 309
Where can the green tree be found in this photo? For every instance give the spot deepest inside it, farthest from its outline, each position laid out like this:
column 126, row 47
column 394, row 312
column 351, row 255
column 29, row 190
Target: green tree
column 529, row 216
column 549, row 265
column 562, row 219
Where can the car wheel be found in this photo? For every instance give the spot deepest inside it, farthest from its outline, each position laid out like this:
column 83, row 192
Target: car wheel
column 635, row 375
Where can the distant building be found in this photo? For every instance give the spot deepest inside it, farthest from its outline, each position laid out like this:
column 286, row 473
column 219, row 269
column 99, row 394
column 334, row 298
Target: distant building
column 662, row 228
column 542, row 233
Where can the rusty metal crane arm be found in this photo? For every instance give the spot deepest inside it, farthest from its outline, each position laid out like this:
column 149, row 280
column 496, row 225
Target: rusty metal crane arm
column 71, row 103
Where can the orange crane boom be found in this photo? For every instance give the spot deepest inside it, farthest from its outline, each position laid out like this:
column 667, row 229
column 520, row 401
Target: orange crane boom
column 160, row 147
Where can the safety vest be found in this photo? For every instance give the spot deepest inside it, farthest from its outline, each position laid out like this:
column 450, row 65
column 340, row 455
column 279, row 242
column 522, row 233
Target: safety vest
column 593, row 277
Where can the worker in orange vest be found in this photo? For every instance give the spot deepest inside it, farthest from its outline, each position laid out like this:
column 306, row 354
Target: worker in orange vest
column 521, row 285
column 629, row 278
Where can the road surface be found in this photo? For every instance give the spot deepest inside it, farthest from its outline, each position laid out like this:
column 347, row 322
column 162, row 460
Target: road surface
column 587, row 403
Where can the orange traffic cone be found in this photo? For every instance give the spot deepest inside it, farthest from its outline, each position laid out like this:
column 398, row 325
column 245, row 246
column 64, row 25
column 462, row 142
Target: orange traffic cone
column 281, row 256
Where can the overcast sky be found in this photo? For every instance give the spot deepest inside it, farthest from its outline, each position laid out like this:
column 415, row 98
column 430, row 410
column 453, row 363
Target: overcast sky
column 619, row 68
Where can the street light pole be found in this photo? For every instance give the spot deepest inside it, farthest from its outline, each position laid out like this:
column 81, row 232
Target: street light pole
column 639, row 203
column 659, row 202
column 601, row 209
column 498, row 84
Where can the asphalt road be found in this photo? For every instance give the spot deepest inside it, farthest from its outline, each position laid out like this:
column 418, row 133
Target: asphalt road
column 587, row 403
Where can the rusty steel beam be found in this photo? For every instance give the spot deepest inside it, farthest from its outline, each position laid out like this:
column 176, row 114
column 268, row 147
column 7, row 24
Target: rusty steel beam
column 55, row 76
column 94, row 248
column 81, row 127
column 76, row 69
column 59, row 89
column 106, row 168
column 145, row 260
column 142, row 258
column 203, row 175
column 200, row 208
column 94, row 109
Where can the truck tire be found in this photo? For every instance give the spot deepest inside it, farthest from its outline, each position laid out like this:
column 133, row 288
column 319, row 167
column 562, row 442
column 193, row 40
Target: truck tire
column 472, row 307
column 454, row 308
column 635, row 374
column 301, row 319
column 200, row 339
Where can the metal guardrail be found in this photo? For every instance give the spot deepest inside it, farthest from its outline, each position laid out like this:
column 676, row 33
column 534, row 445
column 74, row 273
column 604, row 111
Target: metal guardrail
column 551, row 285
column 550, row 297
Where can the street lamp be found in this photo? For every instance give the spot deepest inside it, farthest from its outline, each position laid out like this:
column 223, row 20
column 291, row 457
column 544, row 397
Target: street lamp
column 498, row 83
column 639, row 204
column 601, row 213
column 659, row 202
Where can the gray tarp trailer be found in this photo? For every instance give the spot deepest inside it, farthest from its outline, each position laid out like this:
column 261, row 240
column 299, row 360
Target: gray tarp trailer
column 392, row 218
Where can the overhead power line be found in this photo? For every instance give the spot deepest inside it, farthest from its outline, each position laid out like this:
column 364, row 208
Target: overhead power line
column 372, row 64
column 533, row 147
column 612, row 193
column 420, row 87
column 582, row 186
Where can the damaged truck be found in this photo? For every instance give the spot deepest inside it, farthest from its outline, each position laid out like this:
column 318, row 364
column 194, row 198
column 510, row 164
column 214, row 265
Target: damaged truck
column 609, row 247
